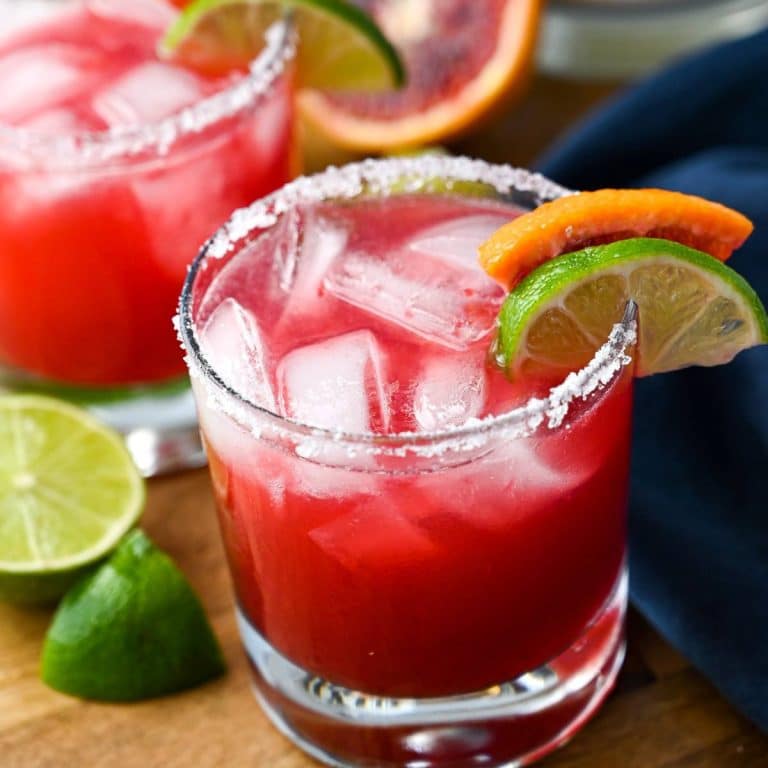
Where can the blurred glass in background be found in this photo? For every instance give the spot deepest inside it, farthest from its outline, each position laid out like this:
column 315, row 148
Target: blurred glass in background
column 625, row 39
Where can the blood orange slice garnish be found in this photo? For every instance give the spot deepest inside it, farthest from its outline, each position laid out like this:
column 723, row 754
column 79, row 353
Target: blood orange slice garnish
column 605, row 216
column 462, row 57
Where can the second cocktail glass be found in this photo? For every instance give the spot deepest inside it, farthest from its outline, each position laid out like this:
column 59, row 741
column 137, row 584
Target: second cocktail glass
column 114, row 168
column 429, row 560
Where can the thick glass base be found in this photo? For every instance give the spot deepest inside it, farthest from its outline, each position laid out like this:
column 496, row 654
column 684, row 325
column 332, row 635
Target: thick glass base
column 507, row 725
column 159, row 422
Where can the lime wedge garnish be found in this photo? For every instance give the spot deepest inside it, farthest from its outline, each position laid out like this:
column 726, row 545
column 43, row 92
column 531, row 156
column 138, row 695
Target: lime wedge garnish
column 340, row 46
column 69, row 491
column 132, row 630
column 693, row 310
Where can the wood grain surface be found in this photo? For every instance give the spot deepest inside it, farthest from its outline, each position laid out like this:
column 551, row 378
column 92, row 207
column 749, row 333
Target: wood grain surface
column 663, row 714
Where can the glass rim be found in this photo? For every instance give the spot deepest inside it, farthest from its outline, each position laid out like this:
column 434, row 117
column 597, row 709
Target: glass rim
column 372, row 177
column 117, row 143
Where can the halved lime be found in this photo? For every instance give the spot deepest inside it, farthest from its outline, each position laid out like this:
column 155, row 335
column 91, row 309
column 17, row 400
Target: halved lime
column 693, row 310
column 69, row 492
column 340, row 46
column 132, row 630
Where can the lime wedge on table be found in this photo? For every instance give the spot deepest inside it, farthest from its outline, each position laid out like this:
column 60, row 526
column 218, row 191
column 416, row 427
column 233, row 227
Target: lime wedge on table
column 132, row 630
column 69, row 492
column 693, row 310
column 340, row 46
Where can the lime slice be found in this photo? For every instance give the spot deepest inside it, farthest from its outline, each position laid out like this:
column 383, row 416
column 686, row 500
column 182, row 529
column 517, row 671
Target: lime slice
column 693, row 310
column 132, row 630
column 69, row 491
column 340, row 46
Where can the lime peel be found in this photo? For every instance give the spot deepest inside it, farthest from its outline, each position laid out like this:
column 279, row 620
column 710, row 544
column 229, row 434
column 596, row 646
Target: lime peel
column 341, row 46
column 69, row 491
column 132, row 630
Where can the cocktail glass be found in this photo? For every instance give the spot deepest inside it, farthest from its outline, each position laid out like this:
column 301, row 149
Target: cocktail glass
column 114, row 168
column 449, row 595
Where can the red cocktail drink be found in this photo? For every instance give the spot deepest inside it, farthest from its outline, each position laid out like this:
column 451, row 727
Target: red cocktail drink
column 114, row 168
column 418, row 545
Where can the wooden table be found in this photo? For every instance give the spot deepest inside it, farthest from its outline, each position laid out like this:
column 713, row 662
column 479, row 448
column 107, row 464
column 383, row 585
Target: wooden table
column 662, row 715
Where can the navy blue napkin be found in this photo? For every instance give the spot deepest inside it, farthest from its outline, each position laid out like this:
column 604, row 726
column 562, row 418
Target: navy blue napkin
column 699, row 502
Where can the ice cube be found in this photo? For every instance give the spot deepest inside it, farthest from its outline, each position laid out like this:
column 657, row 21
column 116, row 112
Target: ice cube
column 281, row 270
column 520, row 465
column 42, row 77
column 283, row 244
column 253, row 274
column 147, row 93
column 520, row 471
column 458, row 239
column 28, row 21
column 272, row 137
column 374, row 537
column 448, row 393
column 309, row 243
column 337, row 384
column 431, row 295
column 59, row 122
column 526, row 467
column 29, row 198
column 334, row 474
column 233, row 344
column 145, row 13
column 512, row 477
column 179, row 211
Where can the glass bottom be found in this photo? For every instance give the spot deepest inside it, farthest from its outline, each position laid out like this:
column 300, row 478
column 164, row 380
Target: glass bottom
column 158, row 422
column 504, row 726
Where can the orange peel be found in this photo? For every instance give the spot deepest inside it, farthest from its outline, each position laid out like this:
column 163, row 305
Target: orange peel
column 607, row 215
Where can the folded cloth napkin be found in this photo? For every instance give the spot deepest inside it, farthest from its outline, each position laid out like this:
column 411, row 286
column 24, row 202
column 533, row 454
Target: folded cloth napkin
column 699, row 500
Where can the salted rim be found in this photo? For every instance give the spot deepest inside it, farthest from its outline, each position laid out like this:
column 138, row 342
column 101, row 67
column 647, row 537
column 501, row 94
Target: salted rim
column 376, row 177
column 93, row 147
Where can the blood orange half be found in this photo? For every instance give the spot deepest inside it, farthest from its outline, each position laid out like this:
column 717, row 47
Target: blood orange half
column 462, row 58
